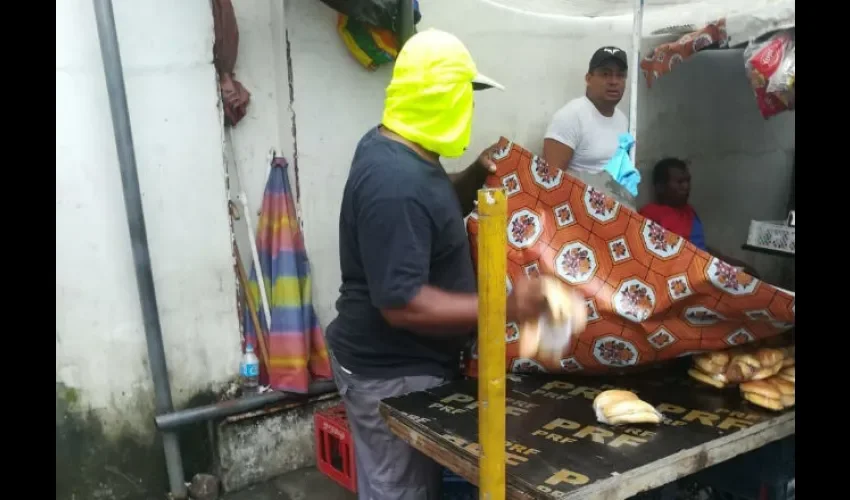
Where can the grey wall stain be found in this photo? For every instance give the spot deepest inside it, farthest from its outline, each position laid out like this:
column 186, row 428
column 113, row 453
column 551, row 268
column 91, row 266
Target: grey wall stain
column 93, row 466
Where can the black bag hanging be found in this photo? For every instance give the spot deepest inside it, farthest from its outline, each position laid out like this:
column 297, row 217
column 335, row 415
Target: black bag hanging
column 379, row 13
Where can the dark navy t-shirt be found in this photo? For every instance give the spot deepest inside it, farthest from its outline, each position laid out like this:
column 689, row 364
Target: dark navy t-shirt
column 400, row 227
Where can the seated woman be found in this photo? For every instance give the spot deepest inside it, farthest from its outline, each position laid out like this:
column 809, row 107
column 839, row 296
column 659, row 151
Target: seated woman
column 672, row 182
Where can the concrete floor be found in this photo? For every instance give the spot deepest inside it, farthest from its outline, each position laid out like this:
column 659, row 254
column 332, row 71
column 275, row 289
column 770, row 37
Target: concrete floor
column 302, row 484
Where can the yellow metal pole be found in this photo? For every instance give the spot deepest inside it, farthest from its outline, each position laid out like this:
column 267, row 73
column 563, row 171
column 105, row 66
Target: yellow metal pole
column 492, row 294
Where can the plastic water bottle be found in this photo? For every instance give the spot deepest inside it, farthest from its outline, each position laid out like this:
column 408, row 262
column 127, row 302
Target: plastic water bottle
column 249, row 370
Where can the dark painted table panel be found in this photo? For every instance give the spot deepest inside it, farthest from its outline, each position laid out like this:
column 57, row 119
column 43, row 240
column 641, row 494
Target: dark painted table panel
column 556, row 446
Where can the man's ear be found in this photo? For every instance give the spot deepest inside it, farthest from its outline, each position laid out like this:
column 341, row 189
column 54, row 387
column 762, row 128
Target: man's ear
column 587, row 77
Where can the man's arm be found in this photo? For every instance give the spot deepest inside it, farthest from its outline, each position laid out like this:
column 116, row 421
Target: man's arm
column 526, row 302
column 562, row 137
column 394, row 236
column 557, row 154
column 436, row 312
column 468, row 182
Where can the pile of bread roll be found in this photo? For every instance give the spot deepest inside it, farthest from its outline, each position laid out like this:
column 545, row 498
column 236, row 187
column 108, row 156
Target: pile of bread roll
column 720, row 369
column 710, row 368
column 618, row 407
column 774, row 393
column 765, row 375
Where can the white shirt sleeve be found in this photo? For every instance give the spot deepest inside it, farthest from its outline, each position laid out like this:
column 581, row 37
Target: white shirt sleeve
column 565, row 127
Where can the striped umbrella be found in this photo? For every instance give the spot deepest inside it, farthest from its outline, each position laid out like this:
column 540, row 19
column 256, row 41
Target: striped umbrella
column 295, row 343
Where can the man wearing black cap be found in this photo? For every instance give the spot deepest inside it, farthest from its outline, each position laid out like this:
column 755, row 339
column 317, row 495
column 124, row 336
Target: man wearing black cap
column 583, row 135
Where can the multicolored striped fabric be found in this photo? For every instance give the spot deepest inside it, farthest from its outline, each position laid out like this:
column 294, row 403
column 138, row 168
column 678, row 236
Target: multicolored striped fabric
column 296, row 345
column 370, row 45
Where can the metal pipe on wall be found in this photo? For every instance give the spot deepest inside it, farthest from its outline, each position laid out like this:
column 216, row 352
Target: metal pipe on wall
column 406, row 24
column 635, row 73
column 172, row 421
column 114, row 74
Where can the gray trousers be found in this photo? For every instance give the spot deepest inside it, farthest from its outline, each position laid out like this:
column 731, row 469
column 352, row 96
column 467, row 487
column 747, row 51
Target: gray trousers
column 387, row 467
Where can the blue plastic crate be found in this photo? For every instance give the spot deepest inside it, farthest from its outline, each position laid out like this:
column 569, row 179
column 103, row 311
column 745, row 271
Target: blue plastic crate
column 457, row 488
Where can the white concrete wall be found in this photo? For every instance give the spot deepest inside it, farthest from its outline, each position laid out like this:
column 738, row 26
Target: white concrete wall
column 101, row 352
column 539, row 49
column 262, row 67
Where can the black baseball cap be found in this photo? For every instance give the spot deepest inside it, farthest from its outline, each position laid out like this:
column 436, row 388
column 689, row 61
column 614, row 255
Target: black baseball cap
column 605, row 54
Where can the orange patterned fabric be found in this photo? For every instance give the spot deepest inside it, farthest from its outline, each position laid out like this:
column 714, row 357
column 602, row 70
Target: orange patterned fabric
column 665, row 57
column 651, row 295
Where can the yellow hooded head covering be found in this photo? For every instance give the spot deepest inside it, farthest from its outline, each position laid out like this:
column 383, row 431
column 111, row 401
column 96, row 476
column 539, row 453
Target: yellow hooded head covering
column 429, row 100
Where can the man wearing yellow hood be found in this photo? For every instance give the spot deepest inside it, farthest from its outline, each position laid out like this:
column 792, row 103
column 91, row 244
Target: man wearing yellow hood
column 408, row 301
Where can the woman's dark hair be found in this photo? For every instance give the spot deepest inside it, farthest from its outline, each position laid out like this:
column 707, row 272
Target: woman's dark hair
column 661, row 170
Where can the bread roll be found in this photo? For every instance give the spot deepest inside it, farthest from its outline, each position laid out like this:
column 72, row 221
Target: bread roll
column 540, row 340
column 773, row 394
column 529, row 338
column 788, row 374
column 784, row 386
column 769, row 357
column 789, row 354
column 748, row 360
column 762, row 387
column 712, row 363
column 631, row 411
column 564, row 304
column 759, row 400
column 787, row 391
column 617, row 407
column 739, row 372
column 767, row 372
column 742, row 368
column 612, row 396
column 547, row 337
column 717, row 380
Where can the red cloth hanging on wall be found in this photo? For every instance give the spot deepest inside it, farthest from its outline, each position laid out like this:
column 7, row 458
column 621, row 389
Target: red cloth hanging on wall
column 225, row 49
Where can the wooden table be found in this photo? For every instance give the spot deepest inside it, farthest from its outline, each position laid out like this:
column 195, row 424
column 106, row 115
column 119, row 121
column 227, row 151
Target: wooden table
column 557, row 449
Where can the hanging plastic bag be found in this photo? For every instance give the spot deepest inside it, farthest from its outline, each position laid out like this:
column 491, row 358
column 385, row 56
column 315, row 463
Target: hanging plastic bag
column 379, row 13
column 370, row 46
column 621, row 167
column 770, row 67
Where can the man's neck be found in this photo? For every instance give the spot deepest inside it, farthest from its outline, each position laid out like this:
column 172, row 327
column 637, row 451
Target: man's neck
column 605, row 108
column 429, row 156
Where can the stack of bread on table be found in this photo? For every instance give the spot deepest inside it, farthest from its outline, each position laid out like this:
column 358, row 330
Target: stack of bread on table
column 619, row 407
column 764, row 375
column 774, row 393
